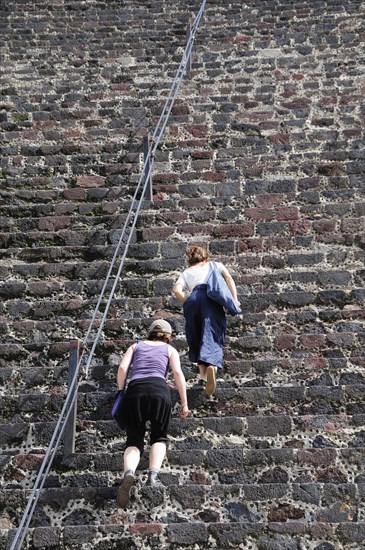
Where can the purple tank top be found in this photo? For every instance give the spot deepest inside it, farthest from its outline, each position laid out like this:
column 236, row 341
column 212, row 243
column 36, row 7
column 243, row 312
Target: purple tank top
column 149, row 361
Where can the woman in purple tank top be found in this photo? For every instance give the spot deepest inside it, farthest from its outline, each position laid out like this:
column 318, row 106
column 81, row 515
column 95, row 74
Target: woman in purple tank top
column 148, row 398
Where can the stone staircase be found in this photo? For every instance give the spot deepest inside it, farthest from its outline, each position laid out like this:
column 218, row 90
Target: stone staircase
column 259, row 465
column 262, row 160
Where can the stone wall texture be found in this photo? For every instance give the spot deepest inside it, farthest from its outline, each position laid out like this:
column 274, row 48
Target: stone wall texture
column 263, row 161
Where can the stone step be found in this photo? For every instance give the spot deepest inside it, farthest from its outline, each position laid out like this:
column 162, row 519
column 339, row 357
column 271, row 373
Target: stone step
column 205, row 530
column 62, row 231
column 146, row 258
column 96, row 430
column 58, row 216
column 265, row 378
column 229, row 399
column 99, row 244
column 225, row 514
column 262, row 158
column 61, row 215
column 317, row 349
column 70, row 271
column 250, row 390
column 39, row 305
column 40, row 202
column 88, row 280
column 244, row 364
column 56, row 253
column 82, row 236
column 23, row 208
column 202, row 462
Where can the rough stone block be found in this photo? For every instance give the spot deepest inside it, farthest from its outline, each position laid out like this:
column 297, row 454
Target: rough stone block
column 77, row 535
column 191, row 533
column 268, row 426
column 217, row 458
column 307, row 492
column 266, row 491
column 351, row 532
column 46, row 537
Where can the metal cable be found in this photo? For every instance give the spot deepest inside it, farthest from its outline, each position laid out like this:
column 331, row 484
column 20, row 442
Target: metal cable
column 72, row 395
column 156, row 137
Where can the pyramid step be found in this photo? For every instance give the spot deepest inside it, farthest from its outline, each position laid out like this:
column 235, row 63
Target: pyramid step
column 206, row 432
column 234, row 513
column 259, row 390
column 70, row 271
column 39, row 202
column 198, row 462
column 201, row 533
column 26, row 230
column 229, row 400
column 243, row 365
column 58, row 253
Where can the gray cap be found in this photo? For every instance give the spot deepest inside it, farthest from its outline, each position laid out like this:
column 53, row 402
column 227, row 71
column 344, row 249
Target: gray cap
column 160, row 325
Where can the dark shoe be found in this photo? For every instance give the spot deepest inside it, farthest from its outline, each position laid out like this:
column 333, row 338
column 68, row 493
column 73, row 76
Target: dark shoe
column 153, row 480
column 124, row 489
column 199, row 385
column 211, row 383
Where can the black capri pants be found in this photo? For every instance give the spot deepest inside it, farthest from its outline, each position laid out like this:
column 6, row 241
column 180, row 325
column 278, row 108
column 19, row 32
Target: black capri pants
column 147, row 399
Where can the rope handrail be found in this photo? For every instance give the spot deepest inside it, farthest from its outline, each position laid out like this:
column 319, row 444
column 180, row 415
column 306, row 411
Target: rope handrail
column 74, row 383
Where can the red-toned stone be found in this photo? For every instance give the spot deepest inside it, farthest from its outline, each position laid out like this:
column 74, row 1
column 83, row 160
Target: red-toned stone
column 317, row 457
column 299, row 227
column 235, row 230
column 287, row 213
column 29, row 462
column 279, row 138
column 285, row 341
column 311, row 341
column 285, row 512
column 146, row 529
column 54, row 223
column 250, row 244
column 331, row 475
column 262, row 214
column 324, row 226
column 214, row 176
column 197, row 130
column 90, row 181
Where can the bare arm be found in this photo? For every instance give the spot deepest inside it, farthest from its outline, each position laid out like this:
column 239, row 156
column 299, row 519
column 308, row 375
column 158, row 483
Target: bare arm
column 179, row 293
column 179, row 381
column 231, row 284
column 124, row 366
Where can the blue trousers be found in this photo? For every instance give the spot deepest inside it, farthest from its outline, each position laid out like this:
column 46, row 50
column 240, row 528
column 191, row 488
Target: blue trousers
column 205, row 328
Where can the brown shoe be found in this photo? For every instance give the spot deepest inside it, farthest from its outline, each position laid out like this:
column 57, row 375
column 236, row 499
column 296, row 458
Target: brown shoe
column 124, row 489
column 211, row 383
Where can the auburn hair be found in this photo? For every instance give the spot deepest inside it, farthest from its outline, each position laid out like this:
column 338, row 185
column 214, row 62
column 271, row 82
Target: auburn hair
column 196, row 254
